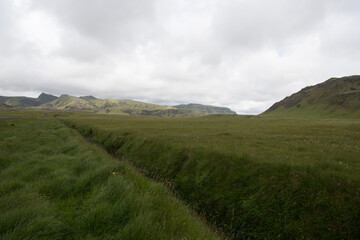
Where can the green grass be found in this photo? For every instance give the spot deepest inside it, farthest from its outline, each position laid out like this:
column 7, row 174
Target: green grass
column 55, row 185
column 255, row 177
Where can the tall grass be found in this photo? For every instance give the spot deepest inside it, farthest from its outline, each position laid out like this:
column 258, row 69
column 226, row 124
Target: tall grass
column 256, row 178
column 54, row 185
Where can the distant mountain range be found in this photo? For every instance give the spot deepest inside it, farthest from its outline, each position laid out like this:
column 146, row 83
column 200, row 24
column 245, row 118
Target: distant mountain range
column 205, row 109
column 27, row 101
column 108, row 106
column 338, row 97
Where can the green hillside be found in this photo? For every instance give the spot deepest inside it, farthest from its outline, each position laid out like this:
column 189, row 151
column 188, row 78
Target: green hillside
column 336, row 97
column 114, row 106
column 135, row 108
column 70, row 103
column 88, row 97
column 205, row 109
column 5, row 106
column 45, row 98
column 110, row 106
column 19, row 101
column 27, row 101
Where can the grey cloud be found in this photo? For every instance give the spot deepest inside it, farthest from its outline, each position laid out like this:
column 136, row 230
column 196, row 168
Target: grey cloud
column 80, row 48
column 110, row 22
column 255, row 23
column 8, row 38
column 341, row 32
column 241, row 54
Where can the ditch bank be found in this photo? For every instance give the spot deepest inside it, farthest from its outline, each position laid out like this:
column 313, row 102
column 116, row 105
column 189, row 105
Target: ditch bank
column 246, row 199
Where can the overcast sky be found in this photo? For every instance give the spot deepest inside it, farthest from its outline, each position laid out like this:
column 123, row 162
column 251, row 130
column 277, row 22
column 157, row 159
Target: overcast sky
column 242, row 54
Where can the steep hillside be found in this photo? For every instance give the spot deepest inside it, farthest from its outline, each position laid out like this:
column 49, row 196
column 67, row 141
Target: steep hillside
column 45, row 98
column 205, row 109
column 27, row 101
column 338, row 97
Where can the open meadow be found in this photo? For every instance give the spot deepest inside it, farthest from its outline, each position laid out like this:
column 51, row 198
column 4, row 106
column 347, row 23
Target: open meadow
column 234, row 177
column 254, row 177
column 55, row 185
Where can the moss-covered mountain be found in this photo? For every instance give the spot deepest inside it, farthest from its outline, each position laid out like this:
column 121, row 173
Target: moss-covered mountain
column 110, row 106
column 336, row 97
column 205, row 109
column 70, row 103
column 27, row 101
column 114, row 106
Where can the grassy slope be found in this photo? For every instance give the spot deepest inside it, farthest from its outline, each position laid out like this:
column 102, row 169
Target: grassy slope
column 53, row 185
column 4, row 106
column 19, row 101
column 113, row 106
column 256, row 178
column 130, row 107
column 336, row 97
column 66, row 102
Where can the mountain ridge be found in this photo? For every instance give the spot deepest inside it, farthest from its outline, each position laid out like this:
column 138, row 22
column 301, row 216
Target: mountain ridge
column 110, row 106
column 21, row 101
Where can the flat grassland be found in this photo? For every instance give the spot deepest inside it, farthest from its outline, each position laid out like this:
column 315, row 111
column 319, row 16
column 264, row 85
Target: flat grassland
column 55, row 185
column 256, row 178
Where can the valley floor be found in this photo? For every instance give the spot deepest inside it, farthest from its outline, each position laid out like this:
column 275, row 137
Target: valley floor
column 54, row 185
column 251, row 177
column 254, row 177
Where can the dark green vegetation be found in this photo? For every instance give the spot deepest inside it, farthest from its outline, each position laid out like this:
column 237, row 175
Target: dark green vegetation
column 205, row 109
column 290, row 173
column 54, row 185
column 256, row 178
column 336, row 97
column 4, row 106
column 109, row 106
column 27, row 101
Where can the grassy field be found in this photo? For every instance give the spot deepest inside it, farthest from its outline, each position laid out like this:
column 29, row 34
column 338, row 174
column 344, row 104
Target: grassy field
column 55, row 185
column 256, row 178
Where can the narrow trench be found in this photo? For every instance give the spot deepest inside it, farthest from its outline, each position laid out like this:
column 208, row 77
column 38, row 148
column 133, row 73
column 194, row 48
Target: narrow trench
column 156, row 179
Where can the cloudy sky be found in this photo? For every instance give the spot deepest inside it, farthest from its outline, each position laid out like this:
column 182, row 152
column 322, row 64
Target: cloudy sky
column 243, row 54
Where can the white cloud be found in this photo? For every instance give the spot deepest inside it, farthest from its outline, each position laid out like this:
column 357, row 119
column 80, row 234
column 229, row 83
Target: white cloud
column 242, row 54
